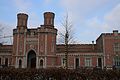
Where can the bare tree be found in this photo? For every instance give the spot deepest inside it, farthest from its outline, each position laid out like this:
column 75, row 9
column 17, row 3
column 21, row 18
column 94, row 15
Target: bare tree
column 66, row 36
column 1, row 28
column 4, row 38
column 67, row 31
column 1, row 33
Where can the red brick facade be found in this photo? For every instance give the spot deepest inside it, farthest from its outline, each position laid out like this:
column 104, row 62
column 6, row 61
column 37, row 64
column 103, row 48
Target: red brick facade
column 37, row 48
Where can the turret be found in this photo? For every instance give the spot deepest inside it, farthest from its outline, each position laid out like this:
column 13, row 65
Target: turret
column 49, row 19
column 22, row 20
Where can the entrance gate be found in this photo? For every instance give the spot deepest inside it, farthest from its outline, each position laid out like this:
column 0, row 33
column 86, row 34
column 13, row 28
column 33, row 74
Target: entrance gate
column 31, row 59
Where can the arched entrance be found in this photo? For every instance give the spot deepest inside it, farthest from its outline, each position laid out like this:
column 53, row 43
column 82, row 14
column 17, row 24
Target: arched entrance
column 31, row 59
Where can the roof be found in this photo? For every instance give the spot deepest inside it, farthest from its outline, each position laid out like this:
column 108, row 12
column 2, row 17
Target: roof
column 6, row 48
column 76, row 48
column 109, row 34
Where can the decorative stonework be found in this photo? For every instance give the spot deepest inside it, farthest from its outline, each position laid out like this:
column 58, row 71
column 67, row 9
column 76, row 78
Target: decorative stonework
column 42, row 42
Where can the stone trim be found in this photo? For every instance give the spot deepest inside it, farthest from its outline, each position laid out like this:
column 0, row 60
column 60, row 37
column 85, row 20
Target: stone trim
column 104, row 51
column 45, row 44
column 81, row 54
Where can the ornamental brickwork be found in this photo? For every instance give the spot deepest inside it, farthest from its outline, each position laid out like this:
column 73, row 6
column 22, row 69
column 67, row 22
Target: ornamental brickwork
column 37, row 48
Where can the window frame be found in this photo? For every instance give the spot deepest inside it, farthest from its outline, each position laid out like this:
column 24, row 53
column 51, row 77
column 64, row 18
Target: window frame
column 88, row 61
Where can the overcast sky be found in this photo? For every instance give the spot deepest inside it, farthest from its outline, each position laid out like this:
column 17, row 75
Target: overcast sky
column 90, row 18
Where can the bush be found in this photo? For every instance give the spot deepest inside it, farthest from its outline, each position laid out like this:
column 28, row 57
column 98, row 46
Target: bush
column 59, row 74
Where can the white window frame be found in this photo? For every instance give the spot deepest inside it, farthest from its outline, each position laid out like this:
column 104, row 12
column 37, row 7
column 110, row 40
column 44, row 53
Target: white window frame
column 88, row 63
column 116, row 47
column 63, row 64
column 117, row 60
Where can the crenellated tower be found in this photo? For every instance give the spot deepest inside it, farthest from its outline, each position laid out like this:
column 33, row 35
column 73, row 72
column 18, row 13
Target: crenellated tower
column 49, row 19
column 22, row 20
column 19, row 39
column 49, row 39
column 35, row 47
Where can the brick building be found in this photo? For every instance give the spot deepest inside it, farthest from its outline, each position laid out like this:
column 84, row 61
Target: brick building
column 37, row 48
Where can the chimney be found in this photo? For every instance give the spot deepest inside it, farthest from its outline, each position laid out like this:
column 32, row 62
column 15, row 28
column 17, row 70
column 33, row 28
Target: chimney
column 115, row 32
column 93, row 45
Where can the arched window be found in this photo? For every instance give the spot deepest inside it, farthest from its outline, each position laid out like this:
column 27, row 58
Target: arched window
column 41, row 63
column 20, row 63
column 88, row 62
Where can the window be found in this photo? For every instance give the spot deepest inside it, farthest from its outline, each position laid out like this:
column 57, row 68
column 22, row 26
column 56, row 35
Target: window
column 117, row 61
column 99, row 62
column 0, row 61
column 77, row 63
column 6, row 61
column 63, row 62
column 116, row 47
column 20, row 63
column 41, row 63
column 88, row 62
column 53, row 61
